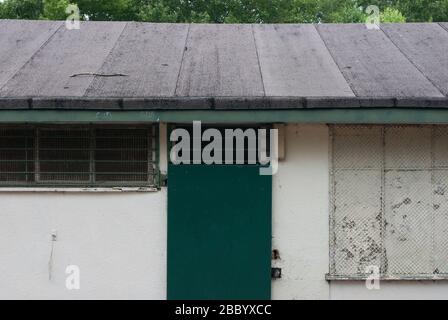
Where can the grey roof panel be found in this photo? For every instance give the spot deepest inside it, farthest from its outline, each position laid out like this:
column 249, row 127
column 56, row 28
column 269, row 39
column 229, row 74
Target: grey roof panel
column 295, row 62
column 150, row 55
column 426, row 46
column 19, row 41
column 372, row 64
column 69, row 52
column 444, row 25
column 187, row 67
column 220, row 60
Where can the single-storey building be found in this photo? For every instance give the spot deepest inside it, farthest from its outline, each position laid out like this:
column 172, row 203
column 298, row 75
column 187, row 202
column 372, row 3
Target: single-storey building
column 93, row 207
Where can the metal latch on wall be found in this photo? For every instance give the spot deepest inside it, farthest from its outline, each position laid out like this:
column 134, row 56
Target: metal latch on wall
column 163, row 180
column 276, row 272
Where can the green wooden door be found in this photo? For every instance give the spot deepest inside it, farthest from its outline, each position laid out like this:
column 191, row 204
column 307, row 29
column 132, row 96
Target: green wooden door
column 219, row 232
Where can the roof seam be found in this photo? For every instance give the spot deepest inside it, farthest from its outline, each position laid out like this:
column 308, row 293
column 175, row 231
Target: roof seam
column 33, row 55
column 443, row 27
column 413, row 64
column 182, row 60
column 258, row 59
column 335, row 62
column 105, row 60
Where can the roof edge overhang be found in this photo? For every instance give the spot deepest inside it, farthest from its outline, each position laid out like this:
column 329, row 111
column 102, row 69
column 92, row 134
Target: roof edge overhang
column 311, row 116
column 374, row 110
column 217, row 103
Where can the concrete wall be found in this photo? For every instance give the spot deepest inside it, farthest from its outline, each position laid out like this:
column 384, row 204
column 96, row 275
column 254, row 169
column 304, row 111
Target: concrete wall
column 300, row 214
column 119, row 239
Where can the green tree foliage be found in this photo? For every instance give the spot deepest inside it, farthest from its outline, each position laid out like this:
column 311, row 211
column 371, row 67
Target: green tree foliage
column 423, row 10
column 54, row 9
column 230, row 11
column 21, row 9
column 341, row 11
column 157, row 12
column 392, row 15
column 219, row 11
column 109, row 9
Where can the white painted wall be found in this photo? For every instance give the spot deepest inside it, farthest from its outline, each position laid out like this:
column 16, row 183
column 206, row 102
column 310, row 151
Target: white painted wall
column 117, row 239
column 300, row 214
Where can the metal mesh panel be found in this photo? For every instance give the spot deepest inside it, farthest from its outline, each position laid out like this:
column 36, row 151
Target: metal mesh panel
column 122, row 155
column 64, row 155
column 389, row 207
column 86, row 156
column 16, row 155
column 356, row 176
column 440, row 198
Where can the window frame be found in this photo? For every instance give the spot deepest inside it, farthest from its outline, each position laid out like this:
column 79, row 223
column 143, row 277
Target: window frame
column 152, row 183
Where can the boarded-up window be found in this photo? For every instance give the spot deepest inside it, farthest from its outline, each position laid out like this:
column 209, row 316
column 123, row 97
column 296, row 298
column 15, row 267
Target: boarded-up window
column 389, row 201
column 77, row 156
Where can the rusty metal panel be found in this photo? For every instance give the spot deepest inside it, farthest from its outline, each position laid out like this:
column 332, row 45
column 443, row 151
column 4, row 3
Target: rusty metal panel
column 357, row 147
column 440, row 198
column 408, row 214
column 440, row 210
column 408, row 208
column 389, row 201
column 440, row 147
column 357, row 220
column 408, row 147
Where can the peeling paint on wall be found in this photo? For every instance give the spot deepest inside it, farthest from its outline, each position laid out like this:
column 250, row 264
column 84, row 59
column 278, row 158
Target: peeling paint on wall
column 389, row 203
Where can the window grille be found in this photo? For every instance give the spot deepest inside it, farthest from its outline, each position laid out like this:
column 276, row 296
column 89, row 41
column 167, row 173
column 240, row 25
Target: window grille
column 389, row 201
column 17, row 155
column 77, row 156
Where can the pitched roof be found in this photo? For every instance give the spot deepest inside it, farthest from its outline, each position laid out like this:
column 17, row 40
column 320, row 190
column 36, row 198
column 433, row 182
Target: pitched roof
column 108, row 65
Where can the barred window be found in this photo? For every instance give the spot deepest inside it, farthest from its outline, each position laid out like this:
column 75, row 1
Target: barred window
column 77, row 156
column 389, row 201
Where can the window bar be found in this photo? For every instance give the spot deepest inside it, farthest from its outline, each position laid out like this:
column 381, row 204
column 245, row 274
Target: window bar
column 36, row 156
column 332, row 231
column 433, row 213
column 383, row 258
column 26, row 158
column 92, row 156
column 150, row 136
